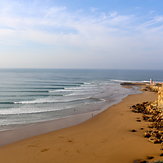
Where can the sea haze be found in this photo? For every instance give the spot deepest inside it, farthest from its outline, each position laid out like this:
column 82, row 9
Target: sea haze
column 35, row 95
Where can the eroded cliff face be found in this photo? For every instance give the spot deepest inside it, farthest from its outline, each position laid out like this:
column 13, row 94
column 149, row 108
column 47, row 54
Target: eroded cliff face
column 160, row 97
column 159, row 89
column 153, row 88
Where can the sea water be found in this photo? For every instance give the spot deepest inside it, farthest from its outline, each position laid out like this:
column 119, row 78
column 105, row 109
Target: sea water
column 35, row 95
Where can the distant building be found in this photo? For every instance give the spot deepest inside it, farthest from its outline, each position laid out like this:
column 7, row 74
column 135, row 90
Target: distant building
column 151, row 81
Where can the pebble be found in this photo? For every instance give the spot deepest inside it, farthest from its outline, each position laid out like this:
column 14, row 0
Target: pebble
column 133, row 130
column 150, row 157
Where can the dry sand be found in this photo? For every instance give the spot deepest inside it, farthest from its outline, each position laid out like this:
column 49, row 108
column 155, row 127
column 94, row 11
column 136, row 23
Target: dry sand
column 106, row 138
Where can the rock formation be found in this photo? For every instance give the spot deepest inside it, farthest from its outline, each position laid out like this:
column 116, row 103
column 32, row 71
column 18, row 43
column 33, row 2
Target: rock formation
column 160, row 97
column 153, row 113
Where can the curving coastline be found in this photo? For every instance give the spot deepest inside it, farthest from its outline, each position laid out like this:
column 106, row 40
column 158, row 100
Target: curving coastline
column 106, row 137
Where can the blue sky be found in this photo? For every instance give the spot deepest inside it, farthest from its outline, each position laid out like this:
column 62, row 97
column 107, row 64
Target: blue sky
column 119, row 34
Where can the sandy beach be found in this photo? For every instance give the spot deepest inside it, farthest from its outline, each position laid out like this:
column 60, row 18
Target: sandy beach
column 105, row 138
column 17, row 133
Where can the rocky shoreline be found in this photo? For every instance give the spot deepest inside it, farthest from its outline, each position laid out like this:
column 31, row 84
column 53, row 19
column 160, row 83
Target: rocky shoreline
column 152, row 112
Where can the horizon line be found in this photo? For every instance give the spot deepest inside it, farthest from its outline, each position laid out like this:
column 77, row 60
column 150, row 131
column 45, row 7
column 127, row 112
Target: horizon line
column 79, row 68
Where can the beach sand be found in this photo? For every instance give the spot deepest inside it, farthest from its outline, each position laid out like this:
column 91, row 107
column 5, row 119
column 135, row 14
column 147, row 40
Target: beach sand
column 105, row 138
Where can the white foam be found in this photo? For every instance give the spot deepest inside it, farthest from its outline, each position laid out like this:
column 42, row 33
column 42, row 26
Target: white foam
column 72, row 89
column 131, row 81
column 121, row 81
column 25, row 110
column 51, row 100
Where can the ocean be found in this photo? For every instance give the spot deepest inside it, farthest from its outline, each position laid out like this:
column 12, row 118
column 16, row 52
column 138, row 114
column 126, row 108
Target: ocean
column 36, row 95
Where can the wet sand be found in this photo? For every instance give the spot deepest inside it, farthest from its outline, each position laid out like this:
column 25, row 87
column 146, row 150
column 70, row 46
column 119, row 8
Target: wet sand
column 105, row 138
column 20, row 132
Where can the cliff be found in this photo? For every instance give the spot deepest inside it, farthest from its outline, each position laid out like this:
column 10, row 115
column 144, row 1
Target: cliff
column 160, row 97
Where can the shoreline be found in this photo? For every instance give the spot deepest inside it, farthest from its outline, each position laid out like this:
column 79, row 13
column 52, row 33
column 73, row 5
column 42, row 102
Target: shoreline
column 103, row 138
column 34, row 129
column 24, row 131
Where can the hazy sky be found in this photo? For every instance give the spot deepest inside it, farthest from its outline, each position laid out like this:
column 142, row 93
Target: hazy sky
column 125, row 34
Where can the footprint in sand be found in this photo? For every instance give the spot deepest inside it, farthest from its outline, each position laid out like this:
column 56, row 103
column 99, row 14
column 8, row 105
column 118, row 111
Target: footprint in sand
column 70, row 141
column 45, row 150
